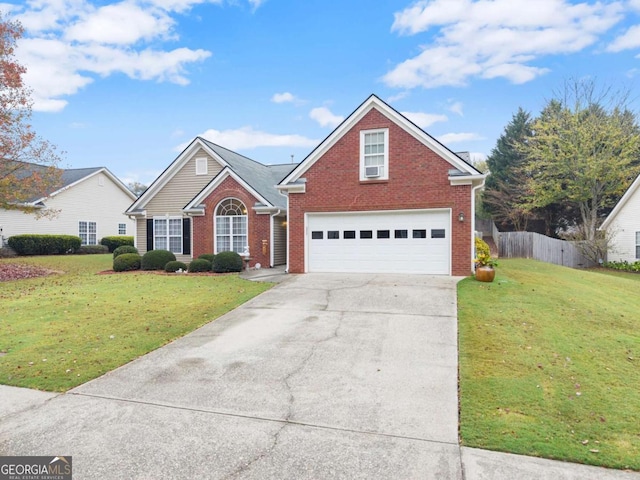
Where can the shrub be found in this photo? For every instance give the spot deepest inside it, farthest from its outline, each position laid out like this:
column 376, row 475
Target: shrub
column 173, row 266
column 127, row 262
column 44, row 244
column 92, row 249
column 624, row 266
column 156, row 259
column 208, row 256
column 116, row 241
column 200, row 265
column 227, row 262
column 482, row 248
column 124, row 249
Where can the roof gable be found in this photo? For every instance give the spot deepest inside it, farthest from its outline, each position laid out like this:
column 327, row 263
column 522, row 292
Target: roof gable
column 635, row 186
column 374, row 102
column 69, row 177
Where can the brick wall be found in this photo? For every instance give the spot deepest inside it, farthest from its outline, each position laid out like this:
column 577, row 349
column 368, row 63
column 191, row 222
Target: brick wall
column 418, row 178
column 258, row 225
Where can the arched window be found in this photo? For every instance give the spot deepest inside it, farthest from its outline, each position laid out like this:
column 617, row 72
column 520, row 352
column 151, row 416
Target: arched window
column 231, row 226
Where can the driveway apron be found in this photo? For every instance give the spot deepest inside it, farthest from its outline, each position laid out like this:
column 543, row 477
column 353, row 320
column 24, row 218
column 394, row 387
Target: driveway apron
column 323, row 376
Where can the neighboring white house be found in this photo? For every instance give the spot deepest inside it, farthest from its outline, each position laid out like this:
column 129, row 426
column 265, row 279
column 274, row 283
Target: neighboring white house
column 90, row 203
column 623, row 226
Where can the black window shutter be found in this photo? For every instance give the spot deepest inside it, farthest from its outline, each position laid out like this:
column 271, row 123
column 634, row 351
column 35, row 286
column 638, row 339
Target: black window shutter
column 149, row 234
column 186, row 236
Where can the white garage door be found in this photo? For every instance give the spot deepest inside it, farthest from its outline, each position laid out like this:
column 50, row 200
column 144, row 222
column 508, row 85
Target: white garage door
column 416, row 241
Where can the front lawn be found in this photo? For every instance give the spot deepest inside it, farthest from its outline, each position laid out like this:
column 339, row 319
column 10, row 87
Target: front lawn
column 550, row 364
column 60, row 331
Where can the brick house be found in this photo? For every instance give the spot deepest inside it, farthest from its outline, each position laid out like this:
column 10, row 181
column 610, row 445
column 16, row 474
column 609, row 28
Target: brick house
column 211, row 199
column 381, row 195
column 377, row 195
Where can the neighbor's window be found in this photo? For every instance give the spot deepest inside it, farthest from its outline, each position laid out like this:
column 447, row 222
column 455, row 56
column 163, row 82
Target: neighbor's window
column 122, row 229
column 167, row 234
column 638, row 245
column 231, row 226
column 374, row 154
column 87, row 231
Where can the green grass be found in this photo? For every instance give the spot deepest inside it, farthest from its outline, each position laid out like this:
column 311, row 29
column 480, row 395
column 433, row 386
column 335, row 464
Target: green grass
column 60, row 331
column 550, row 363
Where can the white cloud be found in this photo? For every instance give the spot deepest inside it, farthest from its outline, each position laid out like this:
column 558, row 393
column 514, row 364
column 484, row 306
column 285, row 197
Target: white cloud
column 69, row 44
column 630, row 39
column 121, row 24
column 449, row 138
column 494, row 38
column 398, row 96
column 283, row 97
column 456, row 107
column 246, row 138
column 424, row 120
column 324, row 117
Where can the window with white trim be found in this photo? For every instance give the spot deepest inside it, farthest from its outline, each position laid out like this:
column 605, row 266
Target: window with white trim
column 231, row 226
column 374, row 154
column 167, row 234
column 638, row 245
column 201, row 166
column 87, row 231
column 122, row 229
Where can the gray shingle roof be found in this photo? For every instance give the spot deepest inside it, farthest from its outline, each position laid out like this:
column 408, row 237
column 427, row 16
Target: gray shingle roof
column 68, row 177
column 262, row 178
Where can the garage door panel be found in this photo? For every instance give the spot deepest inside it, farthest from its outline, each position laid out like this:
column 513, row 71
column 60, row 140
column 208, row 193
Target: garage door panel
column 330, row 250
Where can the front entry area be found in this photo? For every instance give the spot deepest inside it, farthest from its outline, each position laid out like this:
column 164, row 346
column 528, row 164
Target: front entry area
column 399, row 241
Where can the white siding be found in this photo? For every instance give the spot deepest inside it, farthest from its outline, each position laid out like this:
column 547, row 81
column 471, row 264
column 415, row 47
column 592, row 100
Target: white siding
column 91, row 200
column 623, row 230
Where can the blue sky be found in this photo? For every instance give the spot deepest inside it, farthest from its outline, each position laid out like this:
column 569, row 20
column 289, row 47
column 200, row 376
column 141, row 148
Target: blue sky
column 128, row 84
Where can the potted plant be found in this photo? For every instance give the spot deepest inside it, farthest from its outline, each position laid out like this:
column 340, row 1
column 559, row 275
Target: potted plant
column 485, row 264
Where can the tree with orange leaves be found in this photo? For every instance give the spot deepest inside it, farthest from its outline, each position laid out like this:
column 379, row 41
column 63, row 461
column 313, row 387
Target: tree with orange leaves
column 28, row 164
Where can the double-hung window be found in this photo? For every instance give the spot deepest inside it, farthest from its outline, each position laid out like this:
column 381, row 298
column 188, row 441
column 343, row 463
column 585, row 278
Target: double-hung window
column 374, row 154
column 167, row 234
column 122, row 229
column 638, row 245
column 231, row 226
column 87, row 231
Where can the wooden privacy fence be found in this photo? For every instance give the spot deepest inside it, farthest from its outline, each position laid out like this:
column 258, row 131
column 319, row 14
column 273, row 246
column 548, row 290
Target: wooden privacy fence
column 543, row 248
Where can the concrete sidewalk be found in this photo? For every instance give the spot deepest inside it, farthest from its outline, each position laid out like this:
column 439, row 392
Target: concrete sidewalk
column 323, row 376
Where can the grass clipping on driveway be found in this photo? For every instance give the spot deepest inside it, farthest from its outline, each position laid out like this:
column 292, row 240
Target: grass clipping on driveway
column 550, row 364
column 60, row 331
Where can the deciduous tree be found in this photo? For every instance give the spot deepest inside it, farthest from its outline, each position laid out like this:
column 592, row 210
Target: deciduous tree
column 27, row 162
column 583, row 153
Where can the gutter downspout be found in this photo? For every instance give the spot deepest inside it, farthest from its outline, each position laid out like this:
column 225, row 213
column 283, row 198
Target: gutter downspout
column 473, row 222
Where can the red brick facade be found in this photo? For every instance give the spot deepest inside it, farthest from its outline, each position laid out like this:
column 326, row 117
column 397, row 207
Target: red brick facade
column 258, row 225
column 418, row 179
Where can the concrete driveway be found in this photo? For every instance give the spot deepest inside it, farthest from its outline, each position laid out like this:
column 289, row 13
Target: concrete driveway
column 322, row 377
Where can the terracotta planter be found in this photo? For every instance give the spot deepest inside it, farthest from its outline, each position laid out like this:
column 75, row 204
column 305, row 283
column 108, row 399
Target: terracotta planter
column 485, row 274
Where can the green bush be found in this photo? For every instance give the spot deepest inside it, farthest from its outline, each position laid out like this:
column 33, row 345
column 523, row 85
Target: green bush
column 624, row 266
column 44, row 244
column 174, row 266
column 124, row 249
column 127, row 262
column 207, row 256
column 156, row 259
column 116, row 241
column 92, row 249
column 227, row 262
column 200, row 265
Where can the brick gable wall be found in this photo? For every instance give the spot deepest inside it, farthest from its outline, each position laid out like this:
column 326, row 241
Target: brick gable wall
column 258, row 225
column 418, row 178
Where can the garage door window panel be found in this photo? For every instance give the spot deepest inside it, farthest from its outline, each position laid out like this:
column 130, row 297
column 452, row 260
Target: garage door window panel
column 383, row 234
column 419, row 234
column 401, row 234
column 438, row 233
column 366, row 234
column 349, row 234
column 333, row 235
